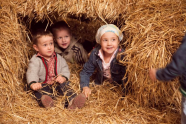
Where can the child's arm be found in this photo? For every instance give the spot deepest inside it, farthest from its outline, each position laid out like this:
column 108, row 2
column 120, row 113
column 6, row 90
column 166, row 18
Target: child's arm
column 176, row 67
column 63, row 70
column 32, row 73
column 88, row 70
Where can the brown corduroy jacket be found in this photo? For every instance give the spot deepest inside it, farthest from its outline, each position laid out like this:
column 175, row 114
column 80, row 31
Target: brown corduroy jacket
column 75, row 53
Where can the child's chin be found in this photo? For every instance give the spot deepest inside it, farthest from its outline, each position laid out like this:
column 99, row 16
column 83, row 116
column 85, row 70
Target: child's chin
column 109, row 52
column 64, row 47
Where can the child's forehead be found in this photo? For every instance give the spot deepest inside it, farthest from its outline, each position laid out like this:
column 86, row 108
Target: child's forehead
column 62, row 30
column 45, row 38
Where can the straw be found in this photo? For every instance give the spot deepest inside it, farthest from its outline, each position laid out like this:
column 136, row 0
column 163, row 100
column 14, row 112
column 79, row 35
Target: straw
column 153, row 30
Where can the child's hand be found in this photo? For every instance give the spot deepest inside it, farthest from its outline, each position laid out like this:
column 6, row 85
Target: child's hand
column 36, row 86
column 86, row 91
column 60, row 79
column 152, row 74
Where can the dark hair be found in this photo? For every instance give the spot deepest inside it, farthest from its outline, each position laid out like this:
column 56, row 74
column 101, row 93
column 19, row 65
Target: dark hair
column 59, row 26
column 39, row 33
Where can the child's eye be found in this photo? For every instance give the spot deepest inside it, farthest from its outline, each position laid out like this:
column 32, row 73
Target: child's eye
column 44, row 44
column 59, row 38
column 113, row 39
column 66, row 36
column 51, row 43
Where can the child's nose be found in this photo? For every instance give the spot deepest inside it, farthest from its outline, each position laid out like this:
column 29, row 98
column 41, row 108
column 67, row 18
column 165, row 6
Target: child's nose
column 109, row 42
column 49, row 46
column 63, row 39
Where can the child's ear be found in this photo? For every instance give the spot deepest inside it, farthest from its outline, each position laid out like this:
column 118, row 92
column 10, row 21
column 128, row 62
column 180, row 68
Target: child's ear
column 35, row 47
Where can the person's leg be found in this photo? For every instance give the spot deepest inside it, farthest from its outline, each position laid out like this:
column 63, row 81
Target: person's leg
column 183, row 110
column 64, row 89
column 73, row 100
column 78, row 101
column 43, row 96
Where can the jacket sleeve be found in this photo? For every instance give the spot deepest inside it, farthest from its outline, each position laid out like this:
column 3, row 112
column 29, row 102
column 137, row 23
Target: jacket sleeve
column 80, row 55
column 62, row 67
column 84, row 54
column 176, row 67
column 32, row 74
column 88, row 70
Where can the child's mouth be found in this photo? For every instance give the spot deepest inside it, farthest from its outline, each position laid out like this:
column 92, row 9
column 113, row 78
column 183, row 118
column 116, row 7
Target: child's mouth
column 109, row 48
column 64, row 44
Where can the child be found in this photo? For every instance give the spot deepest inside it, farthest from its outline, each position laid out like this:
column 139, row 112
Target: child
column 47, row 67
column 103, row 58
column 177, row 67
column 67, row 46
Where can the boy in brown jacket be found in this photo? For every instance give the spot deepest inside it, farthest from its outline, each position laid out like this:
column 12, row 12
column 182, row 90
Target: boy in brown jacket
column 66, row 45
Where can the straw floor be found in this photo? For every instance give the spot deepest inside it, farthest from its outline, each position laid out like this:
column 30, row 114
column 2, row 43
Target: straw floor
column 153, row 31
column 106, row 105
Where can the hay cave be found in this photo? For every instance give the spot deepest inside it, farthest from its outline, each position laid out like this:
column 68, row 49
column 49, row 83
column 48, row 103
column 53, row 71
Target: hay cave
column 153, row 30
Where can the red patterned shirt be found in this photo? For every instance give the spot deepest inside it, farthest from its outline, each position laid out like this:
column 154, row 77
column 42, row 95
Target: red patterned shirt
column 50, row 66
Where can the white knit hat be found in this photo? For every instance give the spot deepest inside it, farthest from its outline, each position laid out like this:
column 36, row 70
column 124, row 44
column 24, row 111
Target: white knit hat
column 108, row 28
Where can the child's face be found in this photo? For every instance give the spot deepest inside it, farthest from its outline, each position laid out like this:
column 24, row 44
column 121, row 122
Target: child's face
column 109, row 43
column 45, row 46
column 63, row 38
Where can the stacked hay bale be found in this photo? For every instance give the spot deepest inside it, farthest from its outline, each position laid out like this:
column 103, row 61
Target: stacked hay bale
column 153, row 31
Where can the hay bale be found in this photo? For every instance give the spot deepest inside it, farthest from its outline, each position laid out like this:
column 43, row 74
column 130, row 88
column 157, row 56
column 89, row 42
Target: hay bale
column 153, row 31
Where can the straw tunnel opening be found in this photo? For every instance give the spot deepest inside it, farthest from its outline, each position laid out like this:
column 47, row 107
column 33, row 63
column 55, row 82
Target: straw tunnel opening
column 81, row 27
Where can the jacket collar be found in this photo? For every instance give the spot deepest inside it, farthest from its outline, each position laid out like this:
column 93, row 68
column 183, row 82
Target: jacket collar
column 41, row 56
column 97, row 49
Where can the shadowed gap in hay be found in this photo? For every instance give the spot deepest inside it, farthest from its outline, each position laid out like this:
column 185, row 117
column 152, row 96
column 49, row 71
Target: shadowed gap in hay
column 82, row 28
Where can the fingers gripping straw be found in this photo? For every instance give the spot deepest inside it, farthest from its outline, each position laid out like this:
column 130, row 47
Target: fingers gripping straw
column 108, row 28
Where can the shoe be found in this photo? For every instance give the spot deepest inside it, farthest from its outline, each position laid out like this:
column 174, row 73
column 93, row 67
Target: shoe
column 47, row 101
column 77, row 102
